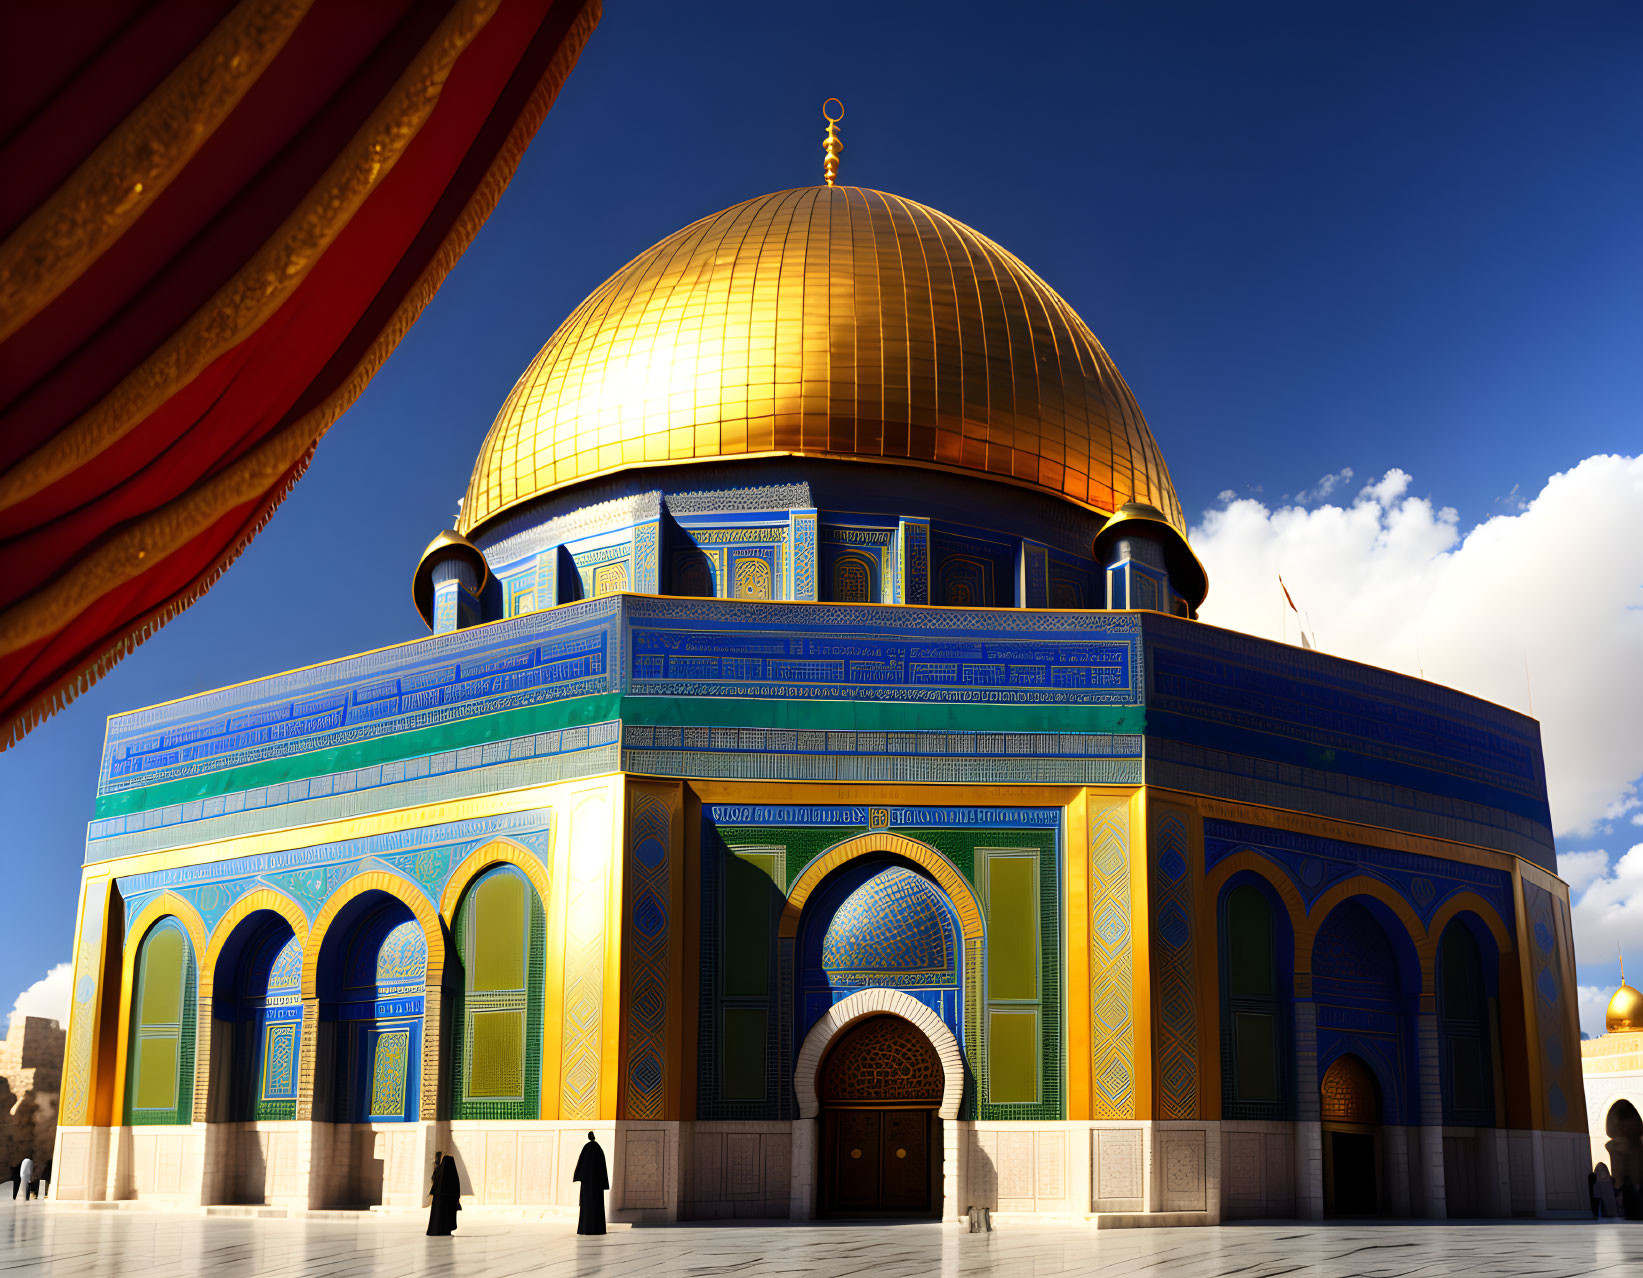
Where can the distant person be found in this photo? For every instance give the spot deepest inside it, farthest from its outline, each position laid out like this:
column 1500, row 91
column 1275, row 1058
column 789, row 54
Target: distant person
column 595, row 1179
column 25, row 1173
column 1591, row 1192
column 1631, row 1201
column 1605, row 1192
column 446, row 1195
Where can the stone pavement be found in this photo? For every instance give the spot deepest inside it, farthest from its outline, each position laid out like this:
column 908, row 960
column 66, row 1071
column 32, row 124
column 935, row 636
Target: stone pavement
column 46, row 1239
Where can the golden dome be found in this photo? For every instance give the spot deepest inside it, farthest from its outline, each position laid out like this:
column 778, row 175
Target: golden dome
column 825, row 322
column 1625, row 1011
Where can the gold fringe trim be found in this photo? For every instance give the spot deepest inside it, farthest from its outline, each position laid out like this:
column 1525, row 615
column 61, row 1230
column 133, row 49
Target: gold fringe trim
column 260, row 287
column 128, row 170
column 315, row 424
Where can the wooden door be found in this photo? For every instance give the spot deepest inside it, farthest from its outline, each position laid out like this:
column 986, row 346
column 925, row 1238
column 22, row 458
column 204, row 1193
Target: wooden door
column 905, row 1158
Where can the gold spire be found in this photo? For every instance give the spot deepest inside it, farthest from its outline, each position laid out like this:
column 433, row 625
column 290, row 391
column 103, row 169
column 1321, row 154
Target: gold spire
column 831, row 143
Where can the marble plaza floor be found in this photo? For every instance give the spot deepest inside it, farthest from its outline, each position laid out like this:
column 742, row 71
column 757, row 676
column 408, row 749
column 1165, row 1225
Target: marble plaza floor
column 36, row 1239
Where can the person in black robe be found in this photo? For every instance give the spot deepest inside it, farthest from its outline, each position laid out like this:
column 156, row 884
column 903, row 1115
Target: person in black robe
column 446, row 1196
column 595, row 1180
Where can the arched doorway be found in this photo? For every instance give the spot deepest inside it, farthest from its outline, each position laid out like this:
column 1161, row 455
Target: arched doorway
column 879, row 1087
column 257, row 1001
column 1350, row 1107
column 372, row 971
column 1624, row 1128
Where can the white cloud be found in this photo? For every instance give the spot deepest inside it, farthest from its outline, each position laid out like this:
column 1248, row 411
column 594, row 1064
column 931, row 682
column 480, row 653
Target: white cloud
column 49, row 995
column 1607, row 904
column 1551, row 595
column 1323, row 488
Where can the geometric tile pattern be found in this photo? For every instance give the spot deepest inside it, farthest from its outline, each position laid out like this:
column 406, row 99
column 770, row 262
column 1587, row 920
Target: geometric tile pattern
column 1111, row 963
column 1557, row 1080
column 1173, row 956
column 894, row 925
column 389, row 1067
column 279, row 1062
column 75, row 1106
column 650, row 826
column 584, row 965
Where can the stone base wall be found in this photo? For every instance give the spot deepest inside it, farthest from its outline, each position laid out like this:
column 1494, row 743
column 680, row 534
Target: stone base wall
column 1258, row 1170
column 738, row 1170
column 1111, row 1173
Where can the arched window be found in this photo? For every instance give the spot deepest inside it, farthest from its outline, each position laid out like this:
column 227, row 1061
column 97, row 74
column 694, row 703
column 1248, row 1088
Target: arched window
column 1464, row 1030
column 1255, row 1051
column 160, row 1079
column 501, row 938
column 753, row 578
column 852, row 580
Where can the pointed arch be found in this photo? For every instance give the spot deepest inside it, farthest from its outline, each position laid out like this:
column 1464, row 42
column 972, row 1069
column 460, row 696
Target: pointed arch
column 1362, row 885
column 1263, row 867
column 402, row 890
column 496, row 852
column 166, row 905
column 881, row 844
column 258, row 899
column 1467, row 903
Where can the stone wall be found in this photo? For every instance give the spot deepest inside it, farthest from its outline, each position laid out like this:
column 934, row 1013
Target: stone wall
column 31, row 1066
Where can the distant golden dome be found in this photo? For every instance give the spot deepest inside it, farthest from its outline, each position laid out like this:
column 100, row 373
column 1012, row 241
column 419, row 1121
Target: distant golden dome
column 1625, row 1011
column 825, row 322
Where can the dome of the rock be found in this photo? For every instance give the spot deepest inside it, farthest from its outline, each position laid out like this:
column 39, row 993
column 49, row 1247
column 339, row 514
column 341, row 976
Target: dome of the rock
column 828, row 322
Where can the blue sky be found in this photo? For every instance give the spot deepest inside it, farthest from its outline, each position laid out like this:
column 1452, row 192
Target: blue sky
column 1313, row 237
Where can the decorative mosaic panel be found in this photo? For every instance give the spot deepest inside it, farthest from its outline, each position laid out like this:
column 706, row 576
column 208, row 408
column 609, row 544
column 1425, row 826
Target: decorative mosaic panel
column 76, row 1094
column 1069, row 659
column 390, row 1067
column 438, row 681
column 894, row 929
column 424, row 857
column 584, row 991
column 802, row 525
column 1172, row 950
column 646, row 953
column 915, row 562
column 279, row 1062
column 1559, row 1073
column 1112, row 977
column 804, row 832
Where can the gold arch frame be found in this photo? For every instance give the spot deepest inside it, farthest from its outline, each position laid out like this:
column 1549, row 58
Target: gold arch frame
column 499, row 851
column 943, row 871
column 167, row 905
column 402, row 890
column 1346, row 889
column 253, row 902
column 1468, row 903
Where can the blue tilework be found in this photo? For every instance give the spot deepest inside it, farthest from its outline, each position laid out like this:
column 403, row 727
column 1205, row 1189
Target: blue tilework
column 1249, row 719
column 1316, row 864
column 893, row 928
column 525, row 661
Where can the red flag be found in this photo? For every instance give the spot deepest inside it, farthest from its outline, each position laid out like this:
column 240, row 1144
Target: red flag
column 1285, row 589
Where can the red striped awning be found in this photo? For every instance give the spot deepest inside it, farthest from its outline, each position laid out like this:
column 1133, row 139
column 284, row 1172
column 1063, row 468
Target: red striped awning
column 216, row 222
